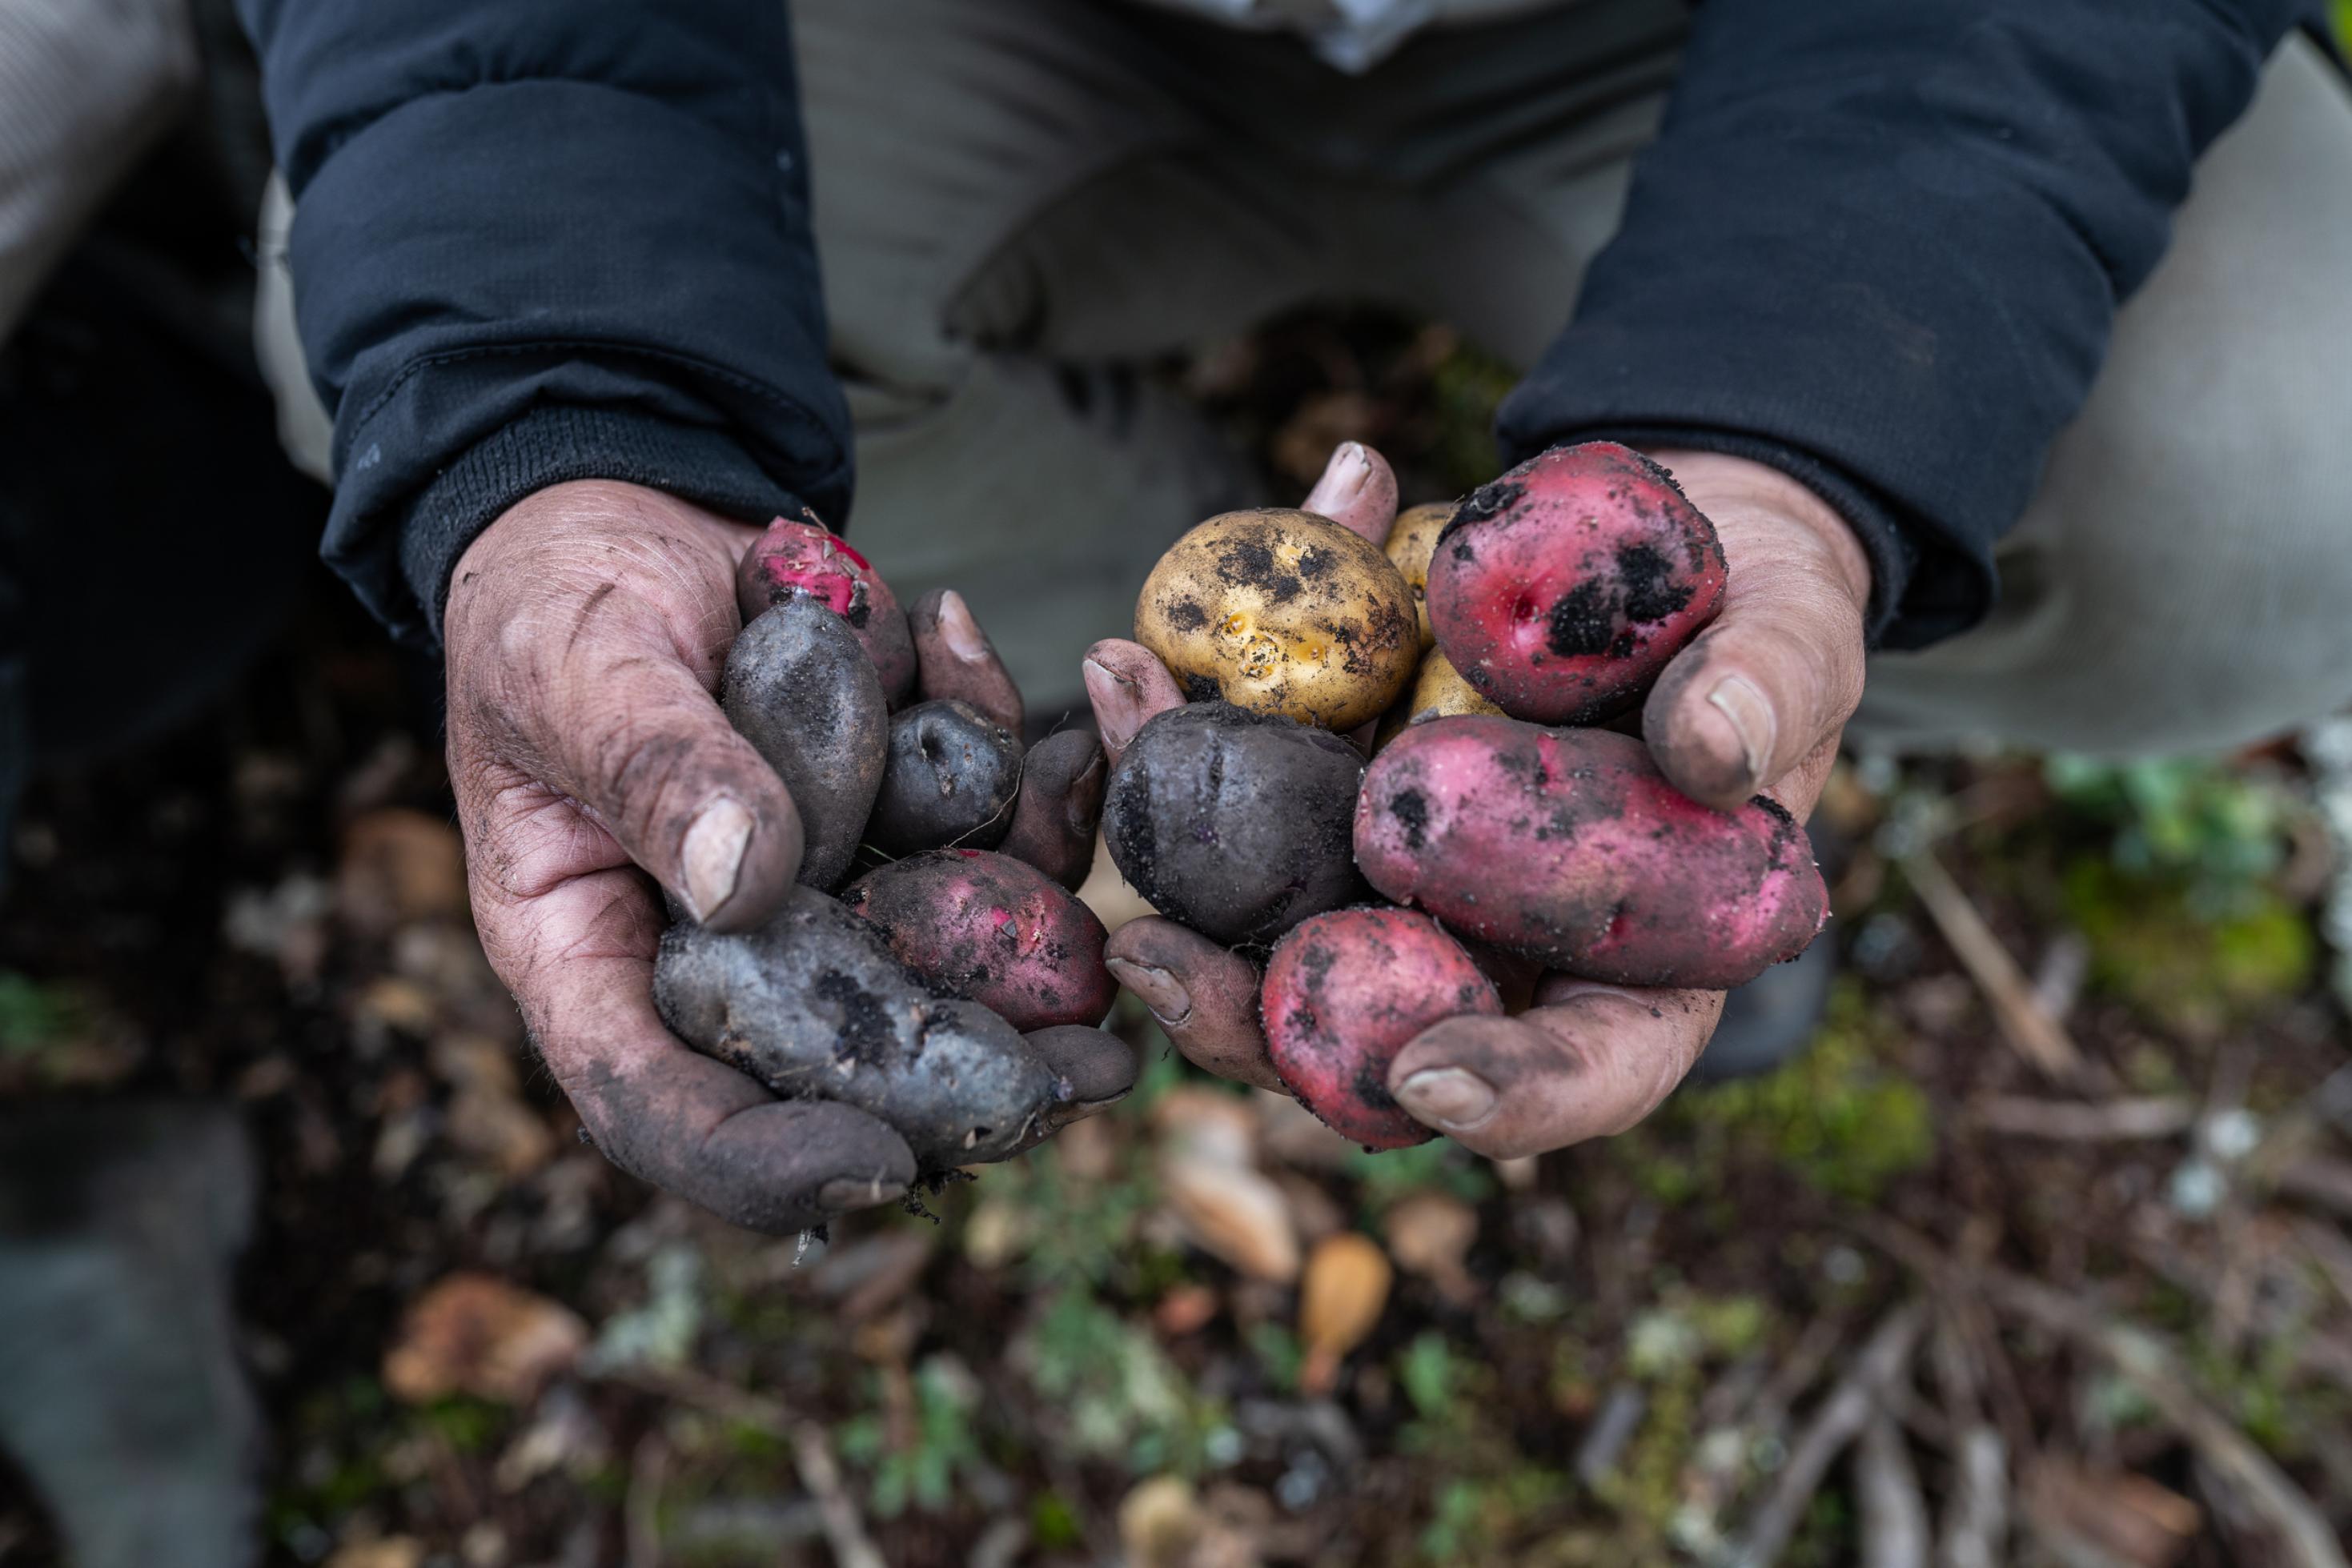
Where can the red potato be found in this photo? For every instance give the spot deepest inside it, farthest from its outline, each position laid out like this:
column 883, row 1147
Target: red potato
column 1563, row 588
column 1569, row 846
column 987, row 928
column 1344, row 993
column 806, row 557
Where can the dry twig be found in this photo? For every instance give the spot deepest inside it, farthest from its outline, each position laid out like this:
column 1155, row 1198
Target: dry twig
column 2024, row 1022
column 1894, row 1513
column 2102, row 1120
column 1883, row 1358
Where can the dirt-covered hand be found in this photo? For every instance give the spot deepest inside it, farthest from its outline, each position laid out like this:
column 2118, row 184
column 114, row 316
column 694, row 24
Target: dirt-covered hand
column 585, row 634
column 1755, row 704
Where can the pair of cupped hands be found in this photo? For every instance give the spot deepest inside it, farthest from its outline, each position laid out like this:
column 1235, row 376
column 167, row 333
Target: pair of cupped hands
column 585, row 632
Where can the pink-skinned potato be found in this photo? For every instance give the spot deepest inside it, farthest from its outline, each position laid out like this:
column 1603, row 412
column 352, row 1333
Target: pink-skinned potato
column 806, row 557
column 1344, row 992
column 1562, row 589
column 988, row 929
column 1570, row 847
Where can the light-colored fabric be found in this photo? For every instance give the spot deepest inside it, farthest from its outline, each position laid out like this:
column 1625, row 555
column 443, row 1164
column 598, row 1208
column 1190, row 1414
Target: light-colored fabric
column 1036, row 190
column 85, row 86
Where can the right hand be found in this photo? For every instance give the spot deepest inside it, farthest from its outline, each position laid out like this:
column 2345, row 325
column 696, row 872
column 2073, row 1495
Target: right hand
column 585, row 633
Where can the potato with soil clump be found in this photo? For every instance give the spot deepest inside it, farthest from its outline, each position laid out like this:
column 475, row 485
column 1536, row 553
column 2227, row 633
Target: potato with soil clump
column 1570, row 847
column 991, row 930
column 815, row 1005
column 1562, row 589
column 1284, row 613
column 950, row 779
column 807, row 558
column 800, row 688
column 1345, row 992
column 1235, row 823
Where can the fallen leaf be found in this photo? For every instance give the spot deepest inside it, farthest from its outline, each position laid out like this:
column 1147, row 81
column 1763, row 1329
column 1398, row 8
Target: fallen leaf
column 1429, row 1235
column 471, row 1334
column 1207, row 1125
column 2122, row 1515
column 1234, row 1213
column 393, row 1552
column 1187, row 1309
column 1292, row 1134
column 1345, row 1292
column 400, row 866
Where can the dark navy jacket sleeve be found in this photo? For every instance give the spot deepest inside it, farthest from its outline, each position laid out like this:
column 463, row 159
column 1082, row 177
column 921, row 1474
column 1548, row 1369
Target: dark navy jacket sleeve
column 538, row 240
column 1880, row 244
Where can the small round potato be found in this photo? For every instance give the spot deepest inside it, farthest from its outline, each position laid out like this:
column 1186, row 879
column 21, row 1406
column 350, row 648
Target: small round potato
column 1440, row 692
column 1413, row 539
column 1284, row 613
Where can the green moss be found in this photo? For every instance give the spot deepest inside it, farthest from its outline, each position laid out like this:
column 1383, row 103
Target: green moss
column 1837, row 1115
column 2150, row 947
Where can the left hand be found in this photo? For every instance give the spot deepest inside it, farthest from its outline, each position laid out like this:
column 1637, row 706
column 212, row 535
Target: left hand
column 1755, row 704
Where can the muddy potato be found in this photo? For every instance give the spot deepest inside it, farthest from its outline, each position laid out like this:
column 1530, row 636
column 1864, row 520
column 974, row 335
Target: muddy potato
column 1232, row 823
column 801, row 689
column 950, row 779
column 1412, row 538
column 1346, row 992
column 1282, row 613
column 1562, row 589
column 992, row 930
column 806, row 557
column 814, row 1005
column 1569, row 846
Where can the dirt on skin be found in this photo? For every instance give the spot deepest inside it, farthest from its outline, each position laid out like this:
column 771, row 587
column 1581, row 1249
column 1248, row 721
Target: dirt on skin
column 1059, row 806
column 1235, row 823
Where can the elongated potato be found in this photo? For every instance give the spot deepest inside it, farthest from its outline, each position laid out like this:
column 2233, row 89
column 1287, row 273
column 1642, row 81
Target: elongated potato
column 814, row 1005
column 950, row 779
column 1281, row 613
column 801, row 689
column 992, row 930
column 806, row 557
column 1235, row 823
column 1562, row 589
column 1569, row 846
column 1413, row 539
column 1345, row 992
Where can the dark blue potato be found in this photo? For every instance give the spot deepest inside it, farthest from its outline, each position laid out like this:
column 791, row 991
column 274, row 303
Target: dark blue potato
column 814, row 1005
column 799, row 686
column 1235, row 823
column 950, row 781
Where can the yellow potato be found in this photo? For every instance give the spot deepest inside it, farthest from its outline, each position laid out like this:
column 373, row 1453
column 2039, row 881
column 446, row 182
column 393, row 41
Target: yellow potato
column 1281, row 613
column 1440, row 692
column 1413, row 539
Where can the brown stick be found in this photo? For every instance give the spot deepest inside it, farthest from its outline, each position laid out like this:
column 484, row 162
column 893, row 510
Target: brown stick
column 1894, row 1513
column 2103, row 1120
column 2024, row 1023
column 1883, row 1358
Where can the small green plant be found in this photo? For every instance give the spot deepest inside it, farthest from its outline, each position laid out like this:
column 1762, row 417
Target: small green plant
column 2218, row 833
column 1438, row 1166
column 1119, row 1392
column 2150, row 946
column 1469, row 385
column 923, row 1473
column 35, row 1014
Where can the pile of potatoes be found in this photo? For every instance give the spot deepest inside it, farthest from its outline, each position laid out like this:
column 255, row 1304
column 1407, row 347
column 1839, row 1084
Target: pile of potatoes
column 917, row 991
column 1472, row 659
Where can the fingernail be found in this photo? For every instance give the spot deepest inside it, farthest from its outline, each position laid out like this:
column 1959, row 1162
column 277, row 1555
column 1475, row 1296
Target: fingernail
column 846, row 1193
column 1343, row 478
column 713, row 856
column 1447, row 1097
column 965, row 640
column 1161, row 992
column 1751, row 718
column 1113, row 697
